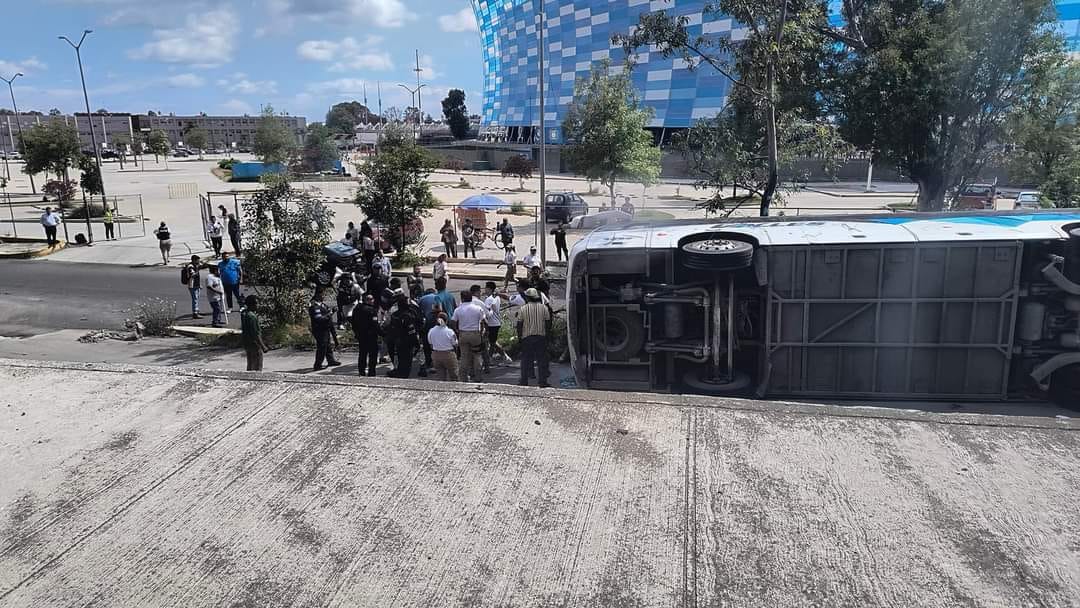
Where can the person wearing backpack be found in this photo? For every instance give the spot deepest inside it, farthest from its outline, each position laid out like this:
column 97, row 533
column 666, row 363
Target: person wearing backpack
column 164, row 242
column 189, row 277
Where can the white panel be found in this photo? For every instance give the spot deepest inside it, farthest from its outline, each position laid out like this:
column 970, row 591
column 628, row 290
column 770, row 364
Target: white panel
column 656, row 75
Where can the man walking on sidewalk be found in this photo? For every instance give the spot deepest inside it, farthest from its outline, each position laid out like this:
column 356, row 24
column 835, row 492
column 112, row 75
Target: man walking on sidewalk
column 493, row 320
column 216, row 232
column 533, row 328
column 50, row 220
column 215, row 292
column 322, row 327
column 251, row 333
column 468, row 318
column 189, row 276
column 232, row 275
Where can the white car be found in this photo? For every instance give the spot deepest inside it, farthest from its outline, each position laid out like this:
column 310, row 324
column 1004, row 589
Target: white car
column 1028, row 200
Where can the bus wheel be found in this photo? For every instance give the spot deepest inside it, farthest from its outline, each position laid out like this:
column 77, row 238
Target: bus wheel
column 619, row 333
column 718, row 253
column 702, row 380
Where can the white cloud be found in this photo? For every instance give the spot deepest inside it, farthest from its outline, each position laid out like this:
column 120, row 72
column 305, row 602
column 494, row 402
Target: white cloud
column 237, row 106
column 27, row 66
column 240, row 84
column 340, row 86
column 461, row 21
column 205, row 40
column 185, row 81
column 347, row 54
column 427, row 68
column 382, row 13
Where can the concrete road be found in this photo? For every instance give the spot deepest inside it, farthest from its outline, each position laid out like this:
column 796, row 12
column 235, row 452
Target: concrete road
column 40, row 296
column 133, row 487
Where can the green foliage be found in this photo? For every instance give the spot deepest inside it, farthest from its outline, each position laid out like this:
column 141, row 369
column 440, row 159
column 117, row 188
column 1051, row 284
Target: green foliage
column 394, row 190
column 90, row 180
column 227, row 163
column 61, row 190
column 518, row 208
column 605, row 132
column 50, row 147
column 344, row 117
column 156, row 314
column 274, row 142
column 197, row 138
column 520, row 167
column 284, row 231
column 929, row 86
column 320, row 151
column 453, row 164
column 456, row 114
column 157, row 143
column 408, row 258
column 1047, row 138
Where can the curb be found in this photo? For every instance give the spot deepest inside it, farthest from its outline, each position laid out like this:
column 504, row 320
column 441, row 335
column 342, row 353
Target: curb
column 36, row 253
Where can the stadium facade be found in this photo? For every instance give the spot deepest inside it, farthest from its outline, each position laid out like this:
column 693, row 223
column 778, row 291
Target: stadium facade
column 579, row 34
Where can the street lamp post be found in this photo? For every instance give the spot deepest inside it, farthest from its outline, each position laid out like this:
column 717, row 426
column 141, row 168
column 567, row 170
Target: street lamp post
column 90, row 123
column 542, row 215
column 18, row 124
column 415, row 96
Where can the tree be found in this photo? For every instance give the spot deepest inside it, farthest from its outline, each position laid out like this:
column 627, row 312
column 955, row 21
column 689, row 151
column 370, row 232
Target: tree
column 274, row 142
column 605, row 132
column 60, row 189
column 197, row 138
column 519, row 167
column 456, row 114
column 319, row 151
column 284, row 232
column 772, row 69
column 55, row 112
column 50, row 147
column 1046, row 137
column 394, row 190
column 90, row 181
column 157, row 142
column 929, row 86
column 344, row 117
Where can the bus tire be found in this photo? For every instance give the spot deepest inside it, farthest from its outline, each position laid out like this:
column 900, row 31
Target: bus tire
column 622, row 337
column 717, row 254
column 1065, row 387
column 697, row 379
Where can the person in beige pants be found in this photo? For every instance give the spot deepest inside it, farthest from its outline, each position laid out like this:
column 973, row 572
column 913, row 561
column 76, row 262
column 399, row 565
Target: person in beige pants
column 443, row 340
column 468, row 318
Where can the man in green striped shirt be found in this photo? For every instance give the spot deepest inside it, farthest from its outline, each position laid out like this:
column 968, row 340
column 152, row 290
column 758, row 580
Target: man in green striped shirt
column 533, row 329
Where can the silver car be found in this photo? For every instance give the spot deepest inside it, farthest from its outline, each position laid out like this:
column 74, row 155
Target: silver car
column 1028, row 200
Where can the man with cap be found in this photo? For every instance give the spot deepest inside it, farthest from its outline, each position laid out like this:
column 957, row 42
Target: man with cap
column 533, row 329
column 531, row 260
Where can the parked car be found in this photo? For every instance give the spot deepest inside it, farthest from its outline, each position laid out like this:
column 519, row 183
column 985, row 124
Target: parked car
column 976, row 197
column 562, row 206
column 1030, row 200
column 181, row 153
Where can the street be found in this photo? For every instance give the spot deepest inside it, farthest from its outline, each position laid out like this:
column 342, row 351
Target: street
column 41, row 296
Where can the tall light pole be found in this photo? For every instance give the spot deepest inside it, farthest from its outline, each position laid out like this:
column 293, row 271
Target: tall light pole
column 415, row 96
column 543, row 143
column 90, row 123
column 18, row 123
column 419, row 98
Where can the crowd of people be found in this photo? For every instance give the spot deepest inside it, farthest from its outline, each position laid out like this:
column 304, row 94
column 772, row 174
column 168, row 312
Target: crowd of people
column 457, row 335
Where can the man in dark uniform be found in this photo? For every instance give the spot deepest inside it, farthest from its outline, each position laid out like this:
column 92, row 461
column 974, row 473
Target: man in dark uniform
column 365, row 323
column 322, row 328
column 405, row 327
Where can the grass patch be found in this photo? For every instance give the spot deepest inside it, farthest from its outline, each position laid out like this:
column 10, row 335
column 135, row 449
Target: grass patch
column 902, row 207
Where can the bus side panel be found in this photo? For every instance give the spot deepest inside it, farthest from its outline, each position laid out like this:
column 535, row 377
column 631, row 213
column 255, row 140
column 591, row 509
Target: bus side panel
column 930, row 320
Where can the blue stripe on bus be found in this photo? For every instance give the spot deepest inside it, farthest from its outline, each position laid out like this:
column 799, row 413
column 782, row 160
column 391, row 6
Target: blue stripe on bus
column 1005, row 221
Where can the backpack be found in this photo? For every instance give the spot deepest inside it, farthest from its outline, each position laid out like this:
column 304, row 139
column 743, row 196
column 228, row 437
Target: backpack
column 185, row 275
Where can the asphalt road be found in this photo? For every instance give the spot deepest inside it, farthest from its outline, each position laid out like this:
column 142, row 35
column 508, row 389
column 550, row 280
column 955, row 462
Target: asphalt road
column 40, row 296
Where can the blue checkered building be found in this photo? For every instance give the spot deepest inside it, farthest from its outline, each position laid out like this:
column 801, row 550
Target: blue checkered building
column 579, row 34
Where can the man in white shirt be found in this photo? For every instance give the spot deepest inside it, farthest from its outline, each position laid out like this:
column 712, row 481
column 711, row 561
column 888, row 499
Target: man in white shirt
column 531, row 260
column 382, row 262
column 493, row 320
column 50, row 220
column 215, row 291
column 216, row 232
column 468, row 318
column 443, row 340
column 439, row 271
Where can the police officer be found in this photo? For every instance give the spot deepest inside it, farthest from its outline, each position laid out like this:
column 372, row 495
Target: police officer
column 404, row 328
column 322, row 328
column 365, row 323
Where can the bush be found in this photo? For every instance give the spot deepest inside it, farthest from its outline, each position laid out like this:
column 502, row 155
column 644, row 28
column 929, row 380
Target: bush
column 76, row 210
column 453, row 164
column 156, row 315
column 226, row 164
column 59, row 190
column 408, row 258
column 518, row 208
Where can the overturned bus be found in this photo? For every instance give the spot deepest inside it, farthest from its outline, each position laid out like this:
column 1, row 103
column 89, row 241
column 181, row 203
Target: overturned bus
column 973, row 306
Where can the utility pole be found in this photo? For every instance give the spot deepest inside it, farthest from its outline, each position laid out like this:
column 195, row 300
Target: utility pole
column 415, row 95
column 543, row 143
column 18, row 124
column 90, row 123
column 379, row 85
column 419, row 98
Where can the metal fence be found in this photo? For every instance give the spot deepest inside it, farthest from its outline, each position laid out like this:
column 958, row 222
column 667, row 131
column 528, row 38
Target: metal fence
column 22, row 216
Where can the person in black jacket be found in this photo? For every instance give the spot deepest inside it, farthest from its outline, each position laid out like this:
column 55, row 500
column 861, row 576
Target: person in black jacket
column 560, row 241
column 365, row 324
column 234, row 233
column 404, row 329
column 322, row 328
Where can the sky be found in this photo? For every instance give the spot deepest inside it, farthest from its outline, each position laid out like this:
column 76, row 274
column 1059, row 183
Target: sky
column 233, row 56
